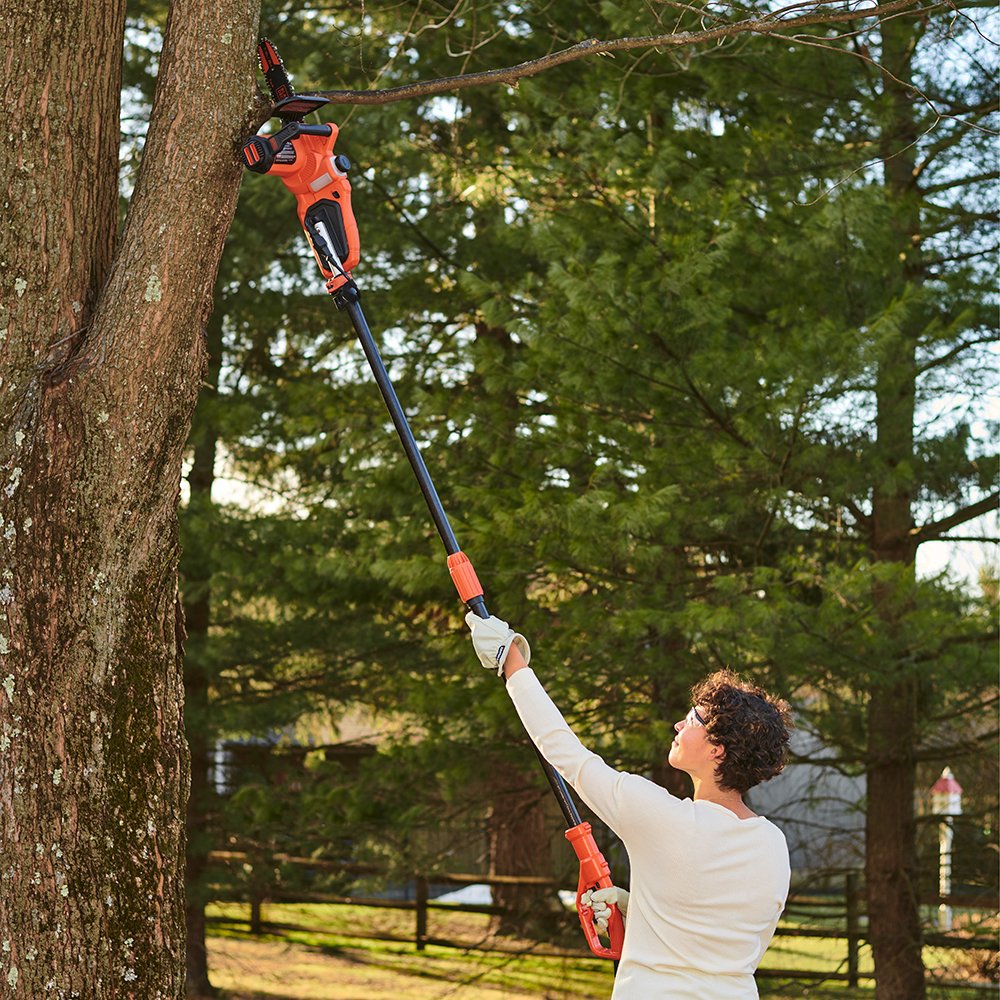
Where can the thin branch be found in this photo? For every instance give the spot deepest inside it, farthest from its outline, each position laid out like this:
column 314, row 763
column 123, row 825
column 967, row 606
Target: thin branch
column 961, row 709
column 984, row 539
column 966, row 217
column 949, row 356
column 949, row 138
column 508, row 76
column 989, row 175
column 935, row 529
column 439, row 253
column 860, row 516
column 961, row 258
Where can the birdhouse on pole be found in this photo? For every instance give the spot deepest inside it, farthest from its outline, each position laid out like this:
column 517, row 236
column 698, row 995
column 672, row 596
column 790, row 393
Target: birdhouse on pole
column 946, row 802
column 946, row 795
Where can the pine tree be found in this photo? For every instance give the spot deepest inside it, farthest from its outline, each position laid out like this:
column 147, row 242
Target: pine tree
column 648, row 372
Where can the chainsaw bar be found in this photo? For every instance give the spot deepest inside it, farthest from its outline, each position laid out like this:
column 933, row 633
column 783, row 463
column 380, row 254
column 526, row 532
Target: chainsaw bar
column 288, row 106
column 274, row 71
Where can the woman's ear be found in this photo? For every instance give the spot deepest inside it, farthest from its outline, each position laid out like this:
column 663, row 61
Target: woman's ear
column 718, row 753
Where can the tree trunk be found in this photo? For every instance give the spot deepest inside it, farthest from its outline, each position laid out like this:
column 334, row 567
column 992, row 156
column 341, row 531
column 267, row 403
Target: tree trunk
column 519, row 844
column 670, row 699
column 196, row 569
column 102, row 359
column 891, row 857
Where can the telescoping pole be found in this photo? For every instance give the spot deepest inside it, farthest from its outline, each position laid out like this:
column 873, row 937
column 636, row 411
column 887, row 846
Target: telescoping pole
column 348, row 299
column 594, row 869
column 304, row 158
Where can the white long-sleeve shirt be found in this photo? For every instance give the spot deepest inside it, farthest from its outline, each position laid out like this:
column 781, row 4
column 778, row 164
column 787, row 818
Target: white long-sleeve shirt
column 707, row 887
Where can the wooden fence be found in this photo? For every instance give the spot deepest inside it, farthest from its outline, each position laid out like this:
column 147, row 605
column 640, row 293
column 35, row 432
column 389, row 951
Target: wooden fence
column 843, row 915
column 849, row 908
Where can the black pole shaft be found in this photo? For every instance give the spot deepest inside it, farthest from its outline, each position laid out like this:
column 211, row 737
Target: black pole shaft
column 348, row 299
column 401, row 424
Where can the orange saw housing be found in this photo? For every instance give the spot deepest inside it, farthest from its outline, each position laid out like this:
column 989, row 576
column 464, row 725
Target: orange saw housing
column 317, row 177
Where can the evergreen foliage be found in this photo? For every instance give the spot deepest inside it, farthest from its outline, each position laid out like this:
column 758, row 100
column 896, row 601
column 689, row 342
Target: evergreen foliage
column 641, row 314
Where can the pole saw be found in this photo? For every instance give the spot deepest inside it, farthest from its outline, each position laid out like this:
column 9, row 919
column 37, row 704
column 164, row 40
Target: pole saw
column 303, row 157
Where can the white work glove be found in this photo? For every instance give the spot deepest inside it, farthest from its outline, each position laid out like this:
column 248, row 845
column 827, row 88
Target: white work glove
column 492, row 639
column 601, row 901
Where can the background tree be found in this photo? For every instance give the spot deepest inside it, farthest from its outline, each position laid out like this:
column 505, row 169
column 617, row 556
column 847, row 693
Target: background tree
column 680, row 396
column 741, row 389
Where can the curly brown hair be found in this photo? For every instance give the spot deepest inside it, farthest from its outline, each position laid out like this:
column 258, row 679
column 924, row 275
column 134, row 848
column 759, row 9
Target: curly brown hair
column 749, row 724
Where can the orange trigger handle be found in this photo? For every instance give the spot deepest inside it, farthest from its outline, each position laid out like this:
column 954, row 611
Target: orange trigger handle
column 595, row 874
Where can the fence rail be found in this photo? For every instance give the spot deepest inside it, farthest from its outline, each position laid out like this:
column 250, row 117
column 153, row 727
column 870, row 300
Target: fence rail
column 849, row 905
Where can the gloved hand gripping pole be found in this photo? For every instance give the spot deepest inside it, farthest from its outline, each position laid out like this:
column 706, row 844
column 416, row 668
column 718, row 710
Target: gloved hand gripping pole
column 302, row 156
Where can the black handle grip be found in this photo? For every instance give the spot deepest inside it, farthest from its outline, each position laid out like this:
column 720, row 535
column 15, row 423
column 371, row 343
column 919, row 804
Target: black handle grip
column 257, row 154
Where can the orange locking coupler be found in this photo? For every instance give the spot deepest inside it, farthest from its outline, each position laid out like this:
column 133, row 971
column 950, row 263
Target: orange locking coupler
column 303, row 157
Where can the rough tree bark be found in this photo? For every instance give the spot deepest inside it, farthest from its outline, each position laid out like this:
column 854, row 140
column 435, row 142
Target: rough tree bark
column 101, row 362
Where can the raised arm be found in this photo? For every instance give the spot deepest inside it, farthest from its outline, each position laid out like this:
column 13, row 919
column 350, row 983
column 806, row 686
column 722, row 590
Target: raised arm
column 502, row 649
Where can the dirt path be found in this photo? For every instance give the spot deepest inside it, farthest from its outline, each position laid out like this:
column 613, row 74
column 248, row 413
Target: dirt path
column 262, row 970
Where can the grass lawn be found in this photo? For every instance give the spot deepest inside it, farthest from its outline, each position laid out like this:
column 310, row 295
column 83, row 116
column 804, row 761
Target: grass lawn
column 330, row 961
column 330, row 958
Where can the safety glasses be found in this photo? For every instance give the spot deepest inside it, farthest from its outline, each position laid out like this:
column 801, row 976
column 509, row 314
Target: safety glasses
column 694, row 719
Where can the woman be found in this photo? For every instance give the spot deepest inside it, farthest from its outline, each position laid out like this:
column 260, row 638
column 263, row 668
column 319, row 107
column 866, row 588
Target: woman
column 709, row 877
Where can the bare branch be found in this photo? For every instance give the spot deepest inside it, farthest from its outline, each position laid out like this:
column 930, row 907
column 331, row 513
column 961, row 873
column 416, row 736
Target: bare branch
column 978, row 539
column 989, row 175
column 863, row 519
column 776, row 22
column 950, row 356
column 964, row 118
column 935, row 529
column 961, row 258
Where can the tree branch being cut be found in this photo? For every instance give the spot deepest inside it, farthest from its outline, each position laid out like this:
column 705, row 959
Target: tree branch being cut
column 787, row 19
